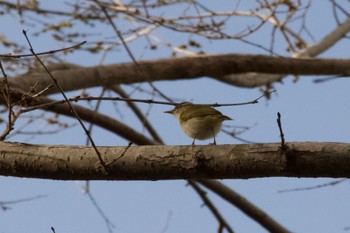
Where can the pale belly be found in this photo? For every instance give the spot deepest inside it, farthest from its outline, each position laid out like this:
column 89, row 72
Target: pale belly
column 201, row 128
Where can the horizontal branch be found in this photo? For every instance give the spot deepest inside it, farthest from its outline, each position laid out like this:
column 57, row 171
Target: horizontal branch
column 181, row 68
column 311, row 159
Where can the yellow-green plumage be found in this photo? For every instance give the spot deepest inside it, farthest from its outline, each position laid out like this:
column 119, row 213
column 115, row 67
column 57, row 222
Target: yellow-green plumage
column 199, row 121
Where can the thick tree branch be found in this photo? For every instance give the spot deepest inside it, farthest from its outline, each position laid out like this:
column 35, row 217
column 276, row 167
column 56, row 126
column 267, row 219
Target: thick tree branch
column 106, row 122
column 88, row 115
column 327, row 42
column 244, row 205
column 223, row 224
column 251, row 79
column 176, row 162
column 181, row 68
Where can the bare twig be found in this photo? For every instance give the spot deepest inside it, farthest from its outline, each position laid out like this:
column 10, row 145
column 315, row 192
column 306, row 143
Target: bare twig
column 315, row 187
column 3, row 204
column 167, row 223
column 97, row 106
column 108, row 222
column 68, row 102
column 222, row 222
column 234, row 133
column 12, row 117
column 120, row 36
column 127, row 147
column 138, row 113
column 243, row 103
column 147, row 101
column 244, row 205
column 42, row 53
column 325, row 79
column 104, row 121
column 2, row 70
column 79, row 98
column 279, row 123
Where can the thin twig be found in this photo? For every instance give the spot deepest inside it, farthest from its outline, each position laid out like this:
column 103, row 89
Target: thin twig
column 244, row 103
column 324, row 79
column 42, row 53
column 42, row 91
column 22, row 200
column 68, row 102
column 147, row 101
column 210, row 205
column 97, row 106
column 4, row 205
column 122, row 155
column 12, row 117
column 120, row 36
column 234, row 135
column 104, row 121
column 138, row 113
column 279, row 123
column 7, row 98
column 108, row 222
column 2, row 70
column 314, row 187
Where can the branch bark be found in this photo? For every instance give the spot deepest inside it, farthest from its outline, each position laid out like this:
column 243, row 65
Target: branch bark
column 181, row 68
column 252, row 80
column 309, row 159
column 104, row 121
column 244, row 205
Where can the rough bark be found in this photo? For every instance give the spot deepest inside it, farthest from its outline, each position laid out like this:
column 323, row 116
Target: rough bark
column 181, row 68
column 244, row 205
column 309, row 159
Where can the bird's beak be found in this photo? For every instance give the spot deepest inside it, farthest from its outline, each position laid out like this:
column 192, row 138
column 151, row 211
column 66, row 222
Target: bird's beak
column 170, row 112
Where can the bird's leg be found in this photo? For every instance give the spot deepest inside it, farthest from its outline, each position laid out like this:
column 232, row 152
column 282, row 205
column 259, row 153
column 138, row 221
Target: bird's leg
column 193, row 141
column 214, row 143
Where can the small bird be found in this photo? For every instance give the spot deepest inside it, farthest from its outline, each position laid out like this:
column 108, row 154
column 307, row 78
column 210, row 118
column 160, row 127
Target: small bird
column 198, row 121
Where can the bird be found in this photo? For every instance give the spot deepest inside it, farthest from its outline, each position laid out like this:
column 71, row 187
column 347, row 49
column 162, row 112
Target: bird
column 198, row 121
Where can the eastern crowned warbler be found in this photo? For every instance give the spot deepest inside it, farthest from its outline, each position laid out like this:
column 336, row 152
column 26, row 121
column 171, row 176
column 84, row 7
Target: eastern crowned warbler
column 198, row 121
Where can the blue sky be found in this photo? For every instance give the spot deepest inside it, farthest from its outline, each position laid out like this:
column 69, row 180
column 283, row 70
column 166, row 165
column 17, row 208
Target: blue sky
column 310, row 112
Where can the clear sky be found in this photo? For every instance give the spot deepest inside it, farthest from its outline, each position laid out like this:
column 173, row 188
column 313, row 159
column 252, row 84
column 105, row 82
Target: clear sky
column 310, row 112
